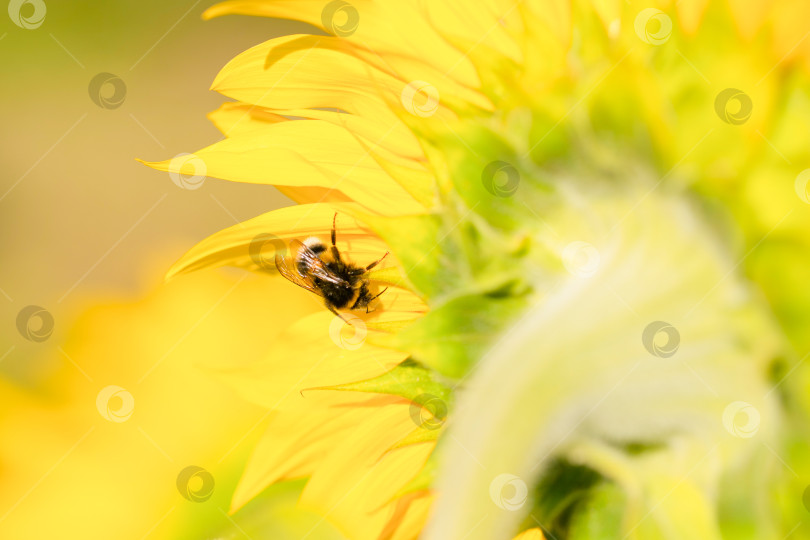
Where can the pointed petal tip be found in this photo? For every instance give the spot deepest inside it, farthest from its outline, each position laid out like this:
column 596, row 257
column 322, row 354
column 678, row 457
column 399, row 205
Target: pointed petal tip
column 157, row 165
column 217, row 10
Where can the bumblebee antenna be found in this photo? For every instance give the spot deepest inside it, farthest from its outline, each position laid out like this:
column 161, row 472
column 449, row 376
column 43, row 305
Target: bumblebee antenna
column 378, row 261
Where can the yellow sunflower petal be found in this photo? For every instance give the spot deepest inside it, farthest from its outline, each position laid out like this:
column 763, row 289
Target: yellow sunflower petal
column 296, row 442
column 234, row 119
column 790, row 30
column 308, row 355
column 530, row 534
column 308, row 11
column 395, row 305
column 555, row 15
column 690, row 14
column 381, row 30
column 370, row 473
column 317, row 439
column 411, row 520
column 239, row 118
column 298, row 77
column 303, row 153
column 326, row 72
column 396, row 138
column 310, row 194
column 393, row 148
column 486, row 26
column 241, row 245
column 749, row 15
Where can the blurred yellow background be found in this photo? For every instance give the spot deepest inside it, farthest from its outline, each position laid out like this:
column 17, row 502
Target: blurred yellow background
column 88, row 235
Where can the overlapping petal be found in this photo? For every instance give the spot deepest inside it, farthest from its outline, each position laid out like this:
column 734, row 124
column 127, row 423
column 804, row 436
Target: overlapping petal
column 308, row 355
column 384, row 34
column 304, row 153
column 343, row 443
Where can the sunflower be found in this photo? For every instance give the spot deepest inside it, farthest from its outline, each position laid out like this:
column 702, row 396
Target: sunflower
column 591, row 324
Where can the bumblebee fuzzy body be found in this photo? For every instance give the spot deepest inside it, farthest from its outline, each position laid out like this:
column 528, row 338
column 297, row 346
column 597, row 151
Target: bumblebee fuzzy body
column 351, row 294
column 321, row 269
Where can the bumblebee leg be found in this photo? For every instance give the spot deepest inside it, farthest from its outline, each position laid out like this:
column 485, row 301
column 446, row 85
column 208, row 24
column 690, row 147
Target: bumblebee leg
column 375, row 263
column 375, row 297
column 333, row 310
column 370, row 300
column 335, row 252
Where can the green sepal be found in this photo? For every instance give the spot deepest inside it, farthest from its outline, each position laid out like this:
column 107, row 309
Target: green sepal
column 600, row 515
column 272, row 514
column 558, row 493
column 417, row 242
column 449, row 338
column 408, row 380
column 419, row 435
column 495, row 184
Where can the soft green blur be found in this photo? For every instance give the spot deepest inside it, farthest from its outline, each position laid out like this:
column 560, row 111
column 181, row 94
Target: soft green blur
column 633, row 195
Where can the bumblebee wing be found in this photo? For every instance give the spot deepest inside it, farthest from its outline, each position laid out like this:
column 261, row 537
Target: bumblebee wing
column 315, row 265
column 291, row 273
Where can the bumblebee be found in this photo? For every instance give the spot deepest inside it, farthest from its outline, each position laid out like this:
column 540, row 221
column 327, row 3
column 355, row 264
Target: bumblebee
column 323, row 271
